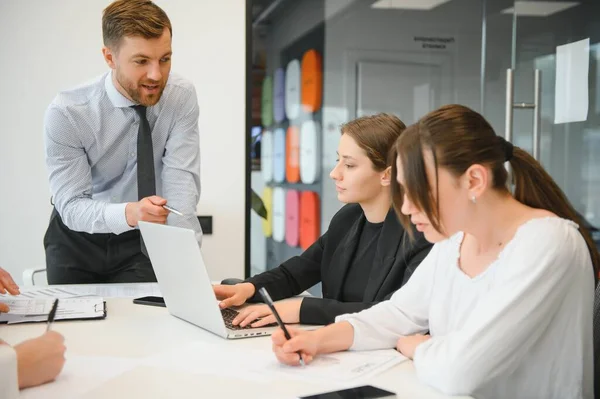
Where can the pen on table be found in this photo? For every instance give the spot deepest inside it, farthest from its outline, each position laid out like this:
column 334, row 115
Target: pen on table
column 52, row 314
column 171, row 209
column 267, row 298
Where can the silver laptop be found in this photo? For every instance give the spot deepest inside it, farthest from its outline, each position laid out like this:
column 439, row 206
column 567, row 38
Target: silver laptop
column 184, row 281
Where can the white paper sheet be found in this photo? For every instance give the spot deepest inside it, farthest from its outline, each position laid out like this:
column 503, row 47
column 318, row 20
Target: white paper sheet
column 261, row 365
column 81, row 374
column 133, row 290
column 571, row 92
column 343, row 367
column 44, row 293
column 31, row 310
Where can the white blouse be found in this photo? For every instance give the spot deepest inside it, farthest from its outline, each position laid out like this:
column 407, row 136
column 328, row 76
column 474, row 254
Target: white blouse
column 9, row 384
column 520, row 329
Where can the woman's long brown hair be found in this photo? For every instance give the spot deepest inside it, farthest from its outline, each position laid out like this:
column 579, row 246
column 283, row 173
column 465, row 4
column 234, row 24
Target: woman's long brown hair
column 459, row 137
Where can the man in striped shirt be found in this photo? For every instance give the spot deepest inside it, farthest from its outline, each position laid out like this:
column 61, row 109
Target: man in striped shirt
column 118, row 149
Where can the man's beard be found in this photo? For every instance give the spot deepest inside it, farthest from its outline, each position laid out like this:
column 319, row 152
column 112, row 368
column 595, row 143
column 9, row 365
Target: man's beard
column 136, row 95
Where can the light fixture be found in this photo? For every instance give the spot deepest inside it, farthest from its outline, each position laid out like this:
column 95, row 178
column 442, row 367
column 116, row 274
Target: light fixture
column 408, row 4
column 539, row 8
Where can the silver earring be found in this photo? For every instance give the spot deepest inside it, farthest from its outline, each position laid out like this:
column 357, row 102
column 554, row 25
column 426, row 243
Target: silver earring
column 473, row 199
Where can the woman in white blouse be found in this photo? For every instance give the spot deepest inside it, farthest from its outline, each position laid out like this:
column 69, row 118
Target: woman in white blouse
column 502, row 305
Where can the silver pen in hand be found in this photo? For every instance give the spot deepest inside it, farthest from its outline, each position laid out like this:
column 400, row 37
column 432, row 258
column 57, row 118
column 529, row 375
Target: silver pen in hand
column 171, row 209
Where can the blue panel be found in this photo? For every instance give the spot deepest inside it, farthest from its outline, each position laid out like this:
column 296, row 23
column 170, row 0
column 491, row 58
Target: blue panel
column 279, row 155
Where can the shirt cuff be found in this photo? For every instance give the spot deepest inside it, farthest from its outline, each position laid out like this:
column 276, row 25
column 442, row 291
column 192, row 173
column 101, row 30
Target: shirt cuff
column 114, row 217
column 310, row 310
column 354, row 323
column 419, row 350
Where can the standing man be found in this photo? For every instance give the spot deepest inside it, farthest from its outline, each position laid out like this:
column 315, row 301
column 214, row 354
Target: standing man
column 117, row 150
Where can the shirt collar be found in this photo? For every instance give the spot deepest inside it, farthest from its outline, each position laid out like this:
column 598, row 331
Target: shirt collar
column 116, row 98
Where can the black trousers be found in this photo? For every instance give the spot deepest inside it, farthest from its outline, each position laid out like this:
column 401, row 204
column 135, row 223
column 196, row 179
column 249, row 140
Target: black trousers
column 74, row 257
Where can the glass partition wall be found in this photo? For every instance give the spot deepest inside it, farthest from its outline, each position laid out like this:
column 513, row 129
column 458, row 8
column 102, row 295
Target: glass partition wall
column 531, row 68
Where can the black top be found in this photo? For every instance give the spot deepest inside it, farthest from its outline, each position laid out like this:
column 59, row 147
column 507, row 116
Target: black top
column 353, row 289
column 329, row 258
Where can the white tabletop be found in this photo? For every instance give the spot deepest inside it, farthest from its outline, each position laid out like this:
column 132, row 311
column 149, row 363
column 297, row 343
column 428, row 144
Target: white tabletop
column 136, row 331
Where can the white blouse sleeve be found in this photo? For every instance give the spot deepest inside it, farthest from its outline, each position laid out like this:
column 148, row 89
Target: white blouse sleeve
column 9, row 383
column 549, row 259
column 405, row 313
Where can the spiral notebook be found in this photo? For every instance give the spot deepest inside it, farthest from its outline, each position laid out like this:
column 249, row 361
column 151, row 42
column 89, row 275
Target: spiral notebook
column 37, row 310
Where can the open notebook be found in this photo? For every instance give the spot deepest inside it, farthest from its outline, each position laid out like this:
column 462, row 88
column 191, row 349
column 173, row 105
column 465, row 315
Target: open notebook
column 36, row 310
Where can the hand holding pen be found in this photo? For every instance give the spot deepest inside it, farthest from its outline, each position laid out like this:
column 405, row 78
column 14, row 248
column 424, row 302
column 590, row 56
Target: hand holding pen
column 153, row 209
column 52, row 314
column 282, row 339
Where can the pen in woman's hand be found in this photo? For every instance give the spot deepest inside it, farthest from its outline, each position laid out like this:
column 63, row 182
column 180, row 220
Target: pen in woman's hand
column 267, row 298
column 52, row 314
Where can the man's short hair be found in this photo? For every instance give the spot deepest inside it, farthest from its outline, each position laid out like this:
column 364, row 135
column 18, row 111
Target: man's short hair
column 140, row 18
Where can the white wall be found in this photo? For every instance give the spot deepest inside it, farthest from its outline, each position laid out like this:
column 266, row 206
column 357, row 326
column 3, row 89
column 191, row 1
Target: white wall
column 52, row 45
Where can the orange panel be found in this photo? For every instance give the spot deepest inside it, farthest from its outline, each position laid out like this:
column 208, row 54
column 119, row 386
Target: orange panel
column 310, row 219
column 311, row 81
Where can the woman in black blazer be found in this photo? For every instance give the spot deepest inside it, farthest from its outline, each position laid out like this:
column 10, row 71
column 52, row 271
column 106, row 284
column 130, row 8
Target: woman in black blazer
column 364, row 256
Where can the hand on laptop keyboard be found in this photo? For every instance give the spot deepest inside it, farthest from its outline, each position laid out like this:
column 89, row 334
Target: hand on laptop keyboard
column 261, row 315
column 230, row 314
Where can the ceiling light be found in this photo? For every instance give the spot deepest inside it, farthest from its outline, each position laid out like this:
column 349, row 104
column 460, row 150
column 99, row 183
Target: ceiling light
column 408, row 4
column 539, row 8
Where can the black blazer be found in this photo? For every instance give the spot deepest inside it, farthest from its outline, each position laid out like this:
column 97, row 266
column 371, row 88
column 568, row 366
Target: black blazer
column 328, row 259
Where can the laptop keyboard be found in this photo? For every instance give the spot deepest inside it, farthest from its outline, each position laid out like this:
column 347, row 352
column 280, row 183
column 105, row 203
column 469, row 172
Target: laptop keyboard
column 228, row 316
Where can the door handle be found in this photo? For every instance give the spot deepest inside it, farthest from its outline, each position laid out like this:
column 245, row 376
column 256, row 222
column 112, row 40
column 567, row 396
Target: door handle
column 535, row 106
column 537, row 114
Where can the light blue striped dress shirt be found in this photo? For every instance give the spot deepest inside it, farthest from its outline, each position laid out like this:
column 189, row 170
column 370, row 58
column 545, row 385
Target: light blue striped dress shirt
column 91, row 154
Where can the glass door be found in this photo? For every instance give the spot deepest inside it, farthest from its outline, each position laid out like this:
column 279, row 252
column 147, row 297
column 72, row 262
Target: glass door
column 552, row 91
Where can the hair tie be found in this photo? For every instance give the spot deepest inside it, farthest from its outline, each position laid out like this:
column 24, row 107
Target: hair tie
column 507, row 148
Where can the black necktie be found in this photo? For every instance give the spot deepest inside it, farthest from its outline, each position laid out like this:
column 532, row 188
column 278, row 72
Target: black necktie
column 145, row 157
column 145, row 161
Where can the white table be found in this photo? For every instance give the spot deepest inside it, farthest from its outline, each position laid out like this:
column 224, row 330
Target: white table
column 136, row 331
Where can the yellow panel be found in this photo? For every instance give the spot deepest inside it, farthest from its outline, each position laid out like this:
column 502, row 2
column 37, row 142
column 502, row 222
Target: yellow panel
column 267, row 223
